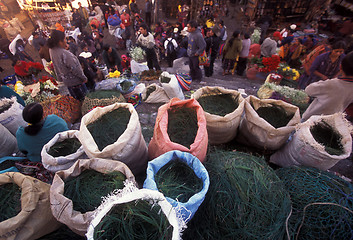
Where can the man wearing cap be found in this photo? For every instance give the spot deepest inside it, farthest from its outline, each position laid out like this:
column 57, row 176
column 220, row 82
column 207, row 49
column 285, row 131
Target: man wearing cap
column 269, row 46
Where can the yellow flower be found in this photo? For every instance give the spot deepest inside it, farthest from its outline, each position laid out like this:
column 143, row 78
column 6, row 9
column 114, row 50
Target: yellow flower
column 115, row 74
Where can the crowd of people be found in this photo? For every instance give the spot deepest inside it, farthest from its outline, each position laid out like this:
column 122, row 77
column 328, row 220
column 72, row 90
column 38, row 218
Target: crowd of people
column 105, row 36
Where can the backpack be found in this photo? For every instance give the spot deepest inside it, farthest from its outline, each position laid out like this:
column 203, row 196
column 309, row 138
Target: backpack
column 170, row 47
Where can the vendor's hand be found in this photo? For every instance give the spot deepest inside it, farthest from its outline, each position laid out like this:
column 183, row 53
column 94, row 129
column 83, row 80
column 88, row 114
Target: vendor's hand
column 111, row 70
column 324, row 77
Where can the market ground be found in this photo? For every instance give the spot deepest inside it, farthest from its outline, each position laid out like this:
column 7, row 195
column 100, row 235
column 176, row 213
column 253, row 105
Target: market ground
column 148, row 112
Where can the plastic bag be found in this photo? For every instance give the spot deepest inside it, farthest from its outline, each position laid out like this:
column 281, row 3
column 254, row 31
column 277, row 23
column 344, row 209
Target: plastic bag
column 138, row 67
column 161, row 142
column 304, row 150
column 55, row 164
column 189, row 208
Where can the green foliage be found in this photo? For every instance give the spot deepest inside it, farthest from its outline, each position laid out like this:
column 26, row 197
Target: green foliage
column 182, row 125
column 10, row 201
column 108, row 128
column 275, row 115
column 103, row 94
column 150, row 89
column 87, row 189
column 133, row 221
column 178, row 181
column 325, row 135
column 219, row 104
column 65, row 148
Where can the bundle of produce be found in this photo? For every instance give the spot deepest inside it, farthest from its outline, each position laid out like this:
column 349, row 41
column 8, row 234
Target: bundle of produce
column 62, row 151
column 180, row 125
column 11, row 114
column 223, row 110
column 290, row 95
column 154, row 94
column 320, row 142
column 101, row 99
column 66, row 107
column 114, row 132
column 182, row 179
column 171, row 86
column 135, row 214
column 255, row 131
column 245, row 200
column 322, row 206
column 25, row 207
column 150, row 75
column 78, row 191
column 138, row 54
column 126, row 86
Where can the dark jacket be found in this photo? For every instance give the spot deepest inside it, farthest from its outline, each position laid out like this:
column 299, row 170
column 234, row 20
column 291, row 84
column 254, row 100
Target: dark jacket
column 212, row 46
column 112, row 59
column 196, row 43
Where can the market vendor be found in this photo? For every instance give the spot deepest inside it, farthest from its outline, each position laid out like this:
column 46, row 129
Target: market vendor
column 333, row 95
column 66, row 66
column 31, row 139
column 111, row 58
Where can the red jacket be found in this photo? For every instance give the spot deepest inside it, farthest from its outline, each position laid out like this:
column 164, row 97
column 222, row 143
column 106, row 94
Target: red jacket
column 125, row 19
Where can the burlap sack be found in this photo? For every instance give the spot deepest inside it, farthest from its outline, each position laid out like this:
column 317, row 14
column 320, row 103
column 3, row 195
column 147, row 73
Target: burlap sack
column 157, row 96
column 35, row 219
column 90, row 103
column 12, row 118
column 130, row 147
column 8, row 142
column 62, row 207
column 221, row 129
column 304, row 150
column 256, row 131
column 161, row 142
column 55, row 164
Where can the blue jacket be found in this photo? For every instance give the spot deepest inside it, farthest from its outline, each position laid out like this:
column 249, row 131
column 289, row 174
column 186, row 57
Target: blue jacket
column 114, row 20
column 32, row 145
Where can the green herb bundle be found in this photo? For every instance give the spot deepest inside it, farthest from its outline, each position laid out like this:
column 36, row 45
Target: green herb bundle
column 10, row 201
column 108, row 128
column 65, row 148
column 87, row 189
column 133, row 221
column 325, row 135
column 178, row 181
column 182, row 125
column 275, row 115
column 245, row 200
column 219, row 104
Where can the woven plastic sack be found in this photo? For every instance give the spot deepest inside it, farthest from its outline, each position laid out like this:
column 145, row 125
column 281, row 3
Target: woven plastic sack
column 8, row 142
column 131, row 193
column 138, row 67
column 130, row 147
column 221, row 129
column 66, row 107
column 157, row 96
column 256, row 131
column 304, row 150
column 124, row 92
column 161, row 142
column 189, row 208
column 35, row 219
column 107, row 84
column 55, row 164
column 12, row 118
column 90, row 103
column 172, row 89
column 62, row 207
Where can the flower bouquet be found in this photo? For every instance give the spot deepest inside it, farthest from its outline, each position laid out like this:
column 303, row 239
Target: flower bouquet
column 287, row 72
column 270, row 63
column 34, row 68
column 138, row 54
column 50, row 69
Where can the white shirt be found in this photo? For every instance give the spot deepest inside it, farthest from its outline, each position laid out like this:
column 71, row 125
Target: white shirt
column 173, row 41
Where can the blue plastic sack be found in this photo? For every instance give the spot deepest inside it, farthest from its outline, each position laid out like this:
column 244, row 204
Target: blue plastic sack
column 11, row 169
column 9, row 80
column 189, row 208
column 118, row 86
column 114, row 20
